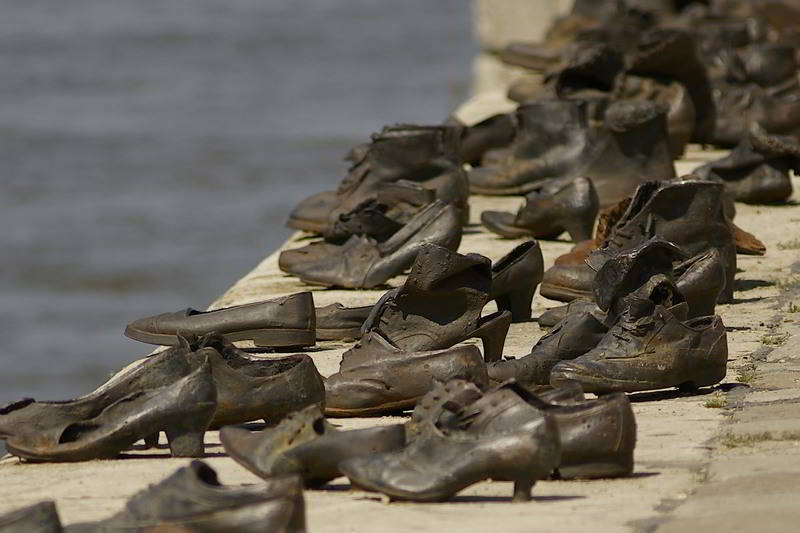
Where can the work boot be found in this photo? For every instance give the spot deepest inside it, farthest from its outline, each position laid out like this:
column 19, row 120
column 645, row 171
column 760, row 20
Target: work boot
column 305, row 443
column 561, row 140
column 651, row 348
column 672, row 53
column 395, row 379
column 363, row 263
column 547, row 212
column 522, row 446
column 758, row 170
column 515, row 278
column 688, row 213
column 424, row 154
column 438, row 306
column 192, row 500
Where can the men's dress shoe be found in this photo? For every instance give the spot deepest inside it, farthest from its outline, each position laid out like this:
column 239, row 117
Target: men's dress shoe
column 515, row 442
column 254, row 388
column 183, row 409
column 758, row 170
column 286, row 322
column 597, row 437
column 31, row 420
column 617, row 148
column 395, row 204
column 395, row 380
column 305, row 444
column 688, row 213
column 337, row 322
column 651, row 348
column 364, row 263
column 549, row 211
column 515, row 278
column 41, row 517
column 192, row 500
column 428, row 155
column 438, row 306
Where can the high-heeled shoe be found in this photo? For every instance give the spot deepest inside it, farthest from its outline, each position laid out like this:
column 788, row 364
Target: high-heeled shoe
column 43, row 420
column 304, row 443
column 481, row 445
column 438, row 306
column 547, row 212
column 515, row 278
column 183, row 409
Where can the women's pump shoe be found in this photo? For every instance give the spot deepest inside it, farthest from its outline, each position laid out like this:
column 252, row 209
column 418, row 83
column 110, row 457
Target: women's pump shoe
column 183, row 409
column 515, row 278
column 192, row 500
column 364, row 263
column 475, row 446
column 548, row 212
column 286, row 322
column 395, row 380
column 259, row 388
column 29, row 420
column 305, row 444
column 438, row 306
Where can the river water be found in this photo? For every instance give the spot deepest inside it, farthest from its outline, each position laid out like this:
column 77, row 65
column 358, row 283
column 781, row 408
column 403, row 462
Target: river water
column 150, row 151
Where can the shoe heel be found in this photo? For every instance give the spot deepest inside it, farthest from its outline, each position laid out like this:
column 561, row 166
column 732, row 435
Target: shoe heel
column 522, row 490
column 580, row 230
column 185, row 441
column 151, row 441
column 492, row 331
column 518, row 303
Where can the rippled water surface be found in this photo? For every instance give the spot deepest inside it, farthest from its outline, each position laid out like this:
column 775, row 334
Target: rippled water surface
column 150, row 151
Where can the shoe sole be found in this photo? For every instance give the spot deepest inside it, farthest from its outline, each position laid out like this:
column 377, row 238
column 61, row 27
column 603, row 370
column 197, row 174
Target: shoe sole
column 563, row 294
column 402, row 405
column 262, row 338
column 338, row 334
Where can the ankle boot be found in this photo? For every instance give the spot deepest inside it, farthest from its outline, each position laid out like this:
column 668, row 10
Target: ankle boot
column 758, row 170
column 515, row 278
column 424, row 154
column 439, row 305
column 688, row 213
column 501, row 440
column 548, row 212
column 363, row 263
column 305, row 443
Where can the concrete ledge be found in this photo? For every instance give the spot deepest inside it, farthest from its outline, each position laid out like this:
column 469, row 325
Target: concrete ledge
column 677, row 433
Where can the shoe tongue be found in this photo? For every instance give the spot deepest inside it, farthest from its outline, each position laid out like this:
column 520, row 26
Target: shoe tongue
column 639, row 307
column 680, row 311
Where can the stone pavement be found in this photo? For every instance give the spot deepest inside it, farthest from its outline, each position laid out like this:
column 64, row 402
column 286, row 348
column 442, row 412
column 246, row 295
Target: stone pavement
column 726, row 458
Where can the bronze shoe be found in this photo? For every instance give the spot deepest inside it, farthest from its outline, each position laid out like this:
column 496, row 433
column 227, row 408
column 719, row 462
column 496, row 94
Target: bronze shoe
column 41, row 517
column 394, row 380
column 305, row 444
column 337, row 322
column 651, row 348
column 515, row 278
column 192, row 500
column 549, row 211
column 286, row 322
column 508, row 440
